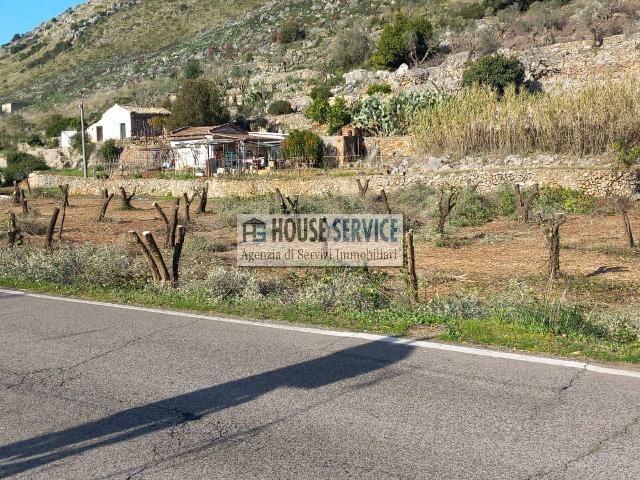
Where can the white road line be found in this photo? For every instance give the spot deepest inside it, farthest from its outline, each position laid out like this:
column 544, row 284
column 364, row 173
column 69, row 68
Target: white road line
column 363, row 336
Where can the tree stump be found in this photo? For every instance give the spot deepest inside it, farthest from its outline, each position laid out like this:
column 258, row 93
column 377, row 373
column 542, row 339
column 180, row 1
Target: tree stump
column 551, row 229
column 155, row 273
column 385, row 201
column 363, row 188
column 52, row 227
column 177, row 252
column 187, row 206
column 106, row 199
column 447, row 200
column 623, row 205
column 153, row 247
column 65, row 195
column 167, row 224
column 284, row 208
column 14, row 232
column 126, row 199
column 523, row 207
column 23, row 202
column 202, row 205
column 412, row 276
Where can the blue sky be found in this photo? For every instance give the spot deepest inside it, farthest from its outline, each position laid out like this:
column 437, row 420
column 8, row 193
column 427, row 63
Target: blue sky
column 20, row 16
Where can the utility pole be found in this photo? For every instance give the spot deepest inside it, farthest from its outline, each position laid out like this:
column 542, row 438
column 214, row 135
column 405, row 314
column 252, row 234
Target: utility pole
column 85, row 172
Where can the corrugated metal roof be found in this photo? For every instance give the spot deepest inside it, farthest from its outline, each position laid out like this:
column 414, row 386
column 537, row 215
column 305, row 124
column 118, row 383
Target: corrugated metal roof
column 147, row 110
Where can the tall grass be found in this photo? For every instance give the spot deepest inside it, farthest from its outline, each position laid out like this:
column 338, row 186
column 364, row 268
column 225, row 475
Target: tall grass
column 585, row 121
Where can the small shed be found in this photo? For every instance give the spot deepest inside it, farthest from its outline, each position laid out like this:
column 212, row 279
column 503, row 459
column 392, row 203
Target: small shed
column 122, row 122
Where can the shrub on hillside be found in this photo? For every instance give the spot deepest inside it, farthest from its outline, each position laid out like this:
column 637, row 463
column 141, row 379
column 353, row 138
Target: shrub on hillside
column 34, row 140
column 350, row 49
column 55, row 124
column 318, row 110
column 291, row 31
column 405, row 40
column 378, row 89
column 280, row 107
column 320, row 92
column 76, row 144
column 303, row 146
column 193, row 70
column 496, row 72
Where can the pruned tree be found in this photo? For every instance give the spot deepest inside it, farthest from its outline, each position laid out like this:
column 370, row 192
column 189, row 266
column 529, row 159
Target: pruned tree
column 385, row 201
column 15, row 198
column 523, row 205
column 14, row 235
column 155, row 273
column 23, row 202
column 363, row 188
column 52, row 227
column 410, row 263
column 623, row 205
column 447, row 200
column 187, row 205
column 294, row 205
column 106, row 199
column 157, row 256
column 177, row 252
column 594, row 15
column 204, row 194
column 64, row 189
column 284, row 207
column 167, row 224
column 174, row 224
column 126, row 199
column 551, row 229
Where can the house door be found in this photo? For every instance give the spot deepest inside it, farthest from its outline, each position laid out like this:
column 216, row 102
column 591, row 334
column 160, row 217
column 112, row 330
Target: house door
column 123, row 131
column 99, row 134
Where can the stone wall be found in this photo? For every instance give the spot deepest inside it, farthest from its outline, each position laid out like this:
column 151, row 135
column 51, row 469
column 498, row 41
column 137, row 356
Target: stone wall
column 599, row 182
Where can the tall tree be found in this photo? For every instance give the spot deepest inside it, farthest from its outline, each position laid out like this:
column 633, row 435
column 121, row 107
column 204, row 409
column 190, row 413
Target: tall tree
column 199, row 103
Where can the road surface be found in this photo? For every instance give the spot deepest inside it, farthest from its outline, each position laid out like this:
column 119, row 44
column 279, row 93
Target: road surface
column 96, row 392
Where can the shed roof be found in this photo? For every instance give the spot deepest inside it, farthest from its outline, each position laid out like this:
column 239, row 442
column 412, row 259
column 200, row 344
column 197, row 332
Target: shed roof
column 147, row 110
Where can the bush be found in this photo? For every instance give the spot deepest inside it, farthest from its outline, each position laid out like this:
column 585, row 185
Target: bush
column 406, row 40
column 564, row 199
column 496, row 72
column 472, row 210
column 34, row 140
column 192, row 69
column 378, row 88
column 320, row 92
column 199, row 103
column 20, row 165
column 76, row 144
column 109, row 151
column 350, row 49
column 55, row 124
column 338, row 115
column 318, row 110
column 303, row 145
column 280, row 107
column 291, row 31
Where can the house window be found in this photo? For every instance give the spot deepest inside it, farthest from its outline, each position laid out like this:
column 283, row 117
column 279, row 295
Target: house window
column 99, row 134
column 123, row 131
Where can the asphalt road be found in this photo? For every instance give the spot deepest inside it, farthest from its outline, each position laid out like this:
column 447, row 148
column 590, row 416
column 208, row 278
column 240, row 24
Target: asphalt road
column 96, row 392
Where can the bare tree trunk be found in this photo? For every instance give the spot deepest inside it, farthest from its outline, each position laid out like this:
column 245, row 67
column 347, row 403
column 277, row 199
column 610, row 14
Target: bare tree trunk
column 155, row 273
column 65, row 195
column 523, row 207
column 294, row 205
column 126, row 199
column 204, row 193
column 551, row 229
column 622, row 204
column 52, row 227
column 162, row 266
column 363, row 188
column 62, row 218
column 177, row 251
column 174, row 225
column 283, row 203
column 16, row 193
column 13, row 230
column 412, row 276
column 167, row 224
column 385, row 201
column 106, row 199
column 447, row 201
column 187, row 206
column 23, row 203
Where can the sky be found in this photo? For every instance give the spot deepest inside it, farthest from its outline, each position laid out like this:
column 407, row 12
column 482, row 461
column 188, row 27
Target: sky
column 20, row 16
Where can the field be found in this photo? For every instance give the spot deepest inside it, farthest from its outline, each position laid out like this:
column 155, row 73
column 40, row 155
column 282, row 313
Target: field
column 482, row 284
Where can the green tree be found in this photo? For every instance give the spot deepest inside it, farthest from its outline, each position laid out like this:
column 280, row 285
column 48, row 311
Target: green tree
column 338, row 115
column 193, row 70
column 496, row 72
column 55, row 124
column 109, row 151
column 406, row 40
column 280, row 107
column 20, row 165
column 303, row 146
column 291, row 31
column 350, row 49
column 199, row 103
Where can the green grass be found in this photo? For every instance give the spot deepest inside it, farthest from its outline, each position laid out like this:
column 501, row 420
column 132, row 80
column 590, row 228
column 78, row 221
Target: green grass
column 527, row 331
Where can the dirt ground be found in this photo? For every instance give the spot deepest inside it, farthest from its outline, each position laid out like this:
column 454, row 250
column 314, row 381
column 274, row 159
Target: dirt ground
column 597, row 266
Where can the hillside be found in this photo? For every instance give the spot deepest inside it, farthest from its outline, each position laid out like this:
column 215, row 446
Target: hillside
column 134, row 51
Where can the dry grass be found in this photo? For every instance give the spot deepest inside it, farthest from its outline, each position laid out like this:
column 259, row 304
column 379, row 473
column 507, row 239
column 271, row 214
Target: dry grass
column 579, row 122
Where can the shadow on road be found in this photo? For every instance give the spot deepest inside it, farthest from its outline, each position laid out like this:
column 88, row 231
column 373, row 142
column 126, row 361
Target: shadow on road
column 135, row 422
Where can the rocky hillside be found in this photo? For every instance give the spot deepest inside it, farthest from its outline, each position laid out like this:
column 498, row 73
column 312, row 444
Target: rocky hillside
column 136, row 50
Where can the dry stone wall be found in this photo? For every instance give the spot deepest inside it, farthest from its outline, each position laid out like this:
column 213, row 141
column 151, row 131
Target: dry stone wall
column 599, row 182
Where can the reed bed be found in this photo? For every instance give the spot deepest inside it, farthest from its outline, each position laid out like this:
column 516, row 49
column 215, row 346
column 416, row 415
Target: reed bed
column 584, row 121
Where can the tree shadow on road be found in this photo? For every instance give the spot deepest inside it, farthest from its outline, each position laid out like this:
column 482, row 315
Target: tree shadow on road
column 345, row 364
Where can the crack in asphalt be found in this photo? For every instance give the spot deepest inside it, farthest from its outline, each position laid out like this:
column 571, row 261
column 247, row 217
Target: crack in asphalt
column 593, row 450
column 561, row 393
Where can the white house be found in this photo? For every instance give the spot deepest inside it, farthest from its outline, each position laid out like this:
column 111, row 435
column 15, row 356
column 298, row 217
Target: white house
column 9, row 108
column 65, row 138
column 122, row 122
column 226, row 147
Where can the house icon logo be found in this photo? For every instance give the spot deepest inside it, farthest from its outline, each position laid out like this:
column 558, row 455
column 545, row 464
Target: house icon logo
column 256, row 229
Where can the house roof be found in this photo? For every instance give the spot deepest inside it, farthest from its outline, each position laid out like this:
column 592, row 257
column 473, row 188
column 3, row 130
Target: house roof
column 147, row 110
column 227, row 131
